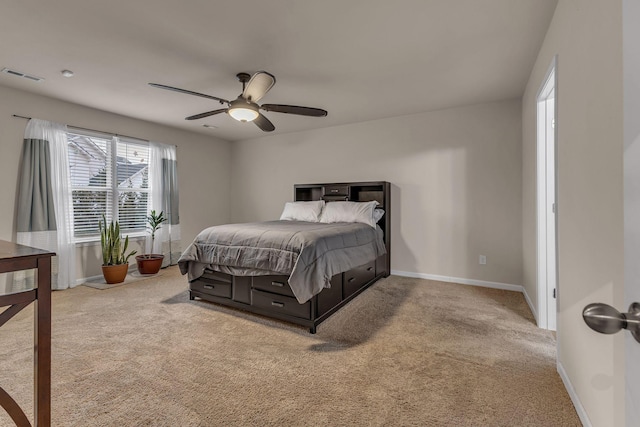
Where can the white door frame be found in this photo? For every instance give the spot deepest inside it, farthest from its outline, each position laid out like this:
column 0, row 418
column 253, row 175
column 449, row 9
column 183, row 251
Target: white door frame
column 546, row 198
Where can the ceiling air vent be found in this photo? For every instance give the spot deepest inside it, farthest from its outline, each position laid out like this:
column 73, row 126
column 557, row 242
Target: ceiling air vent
column 23, row 75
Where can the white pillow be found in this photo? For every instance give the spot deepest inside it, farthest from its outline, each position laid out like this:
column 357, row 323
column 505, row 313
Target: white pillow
column 302, row 211
column 349, row 212
column 378, row 214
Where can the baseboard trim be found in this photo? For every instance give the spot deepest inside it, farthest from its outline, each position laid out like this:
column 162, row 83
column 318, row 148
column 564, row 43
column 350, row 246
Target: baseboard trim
column 531, row 306
column 472, row 282
column 582, row 414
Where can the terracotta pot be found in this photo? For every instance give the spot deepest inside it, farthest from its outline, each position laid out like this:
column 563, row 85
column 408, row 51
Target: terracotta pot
column 149, row 263
column 115, row 273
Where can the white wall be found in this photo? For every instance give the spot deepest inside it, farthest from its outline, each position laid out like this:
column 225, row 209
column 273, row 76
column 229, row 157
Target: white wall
column 587, row 36
column 455, row 175
column 203, row 163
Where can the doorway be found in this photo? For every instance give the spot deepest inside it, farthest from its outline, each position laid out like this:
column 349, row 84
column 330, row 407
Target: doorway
column 546, row 200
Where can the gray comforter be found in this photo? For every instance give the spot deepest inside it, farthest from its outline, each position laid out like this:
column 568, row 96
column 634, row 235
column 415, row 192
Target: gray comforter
column 311, row 253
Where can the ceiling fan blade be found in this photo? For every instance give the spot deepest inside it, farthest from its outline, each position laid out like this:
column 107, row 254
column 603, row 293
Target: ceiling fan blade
column 258, row 86
column 188, row 92
column 207, row 114
column 294, row 109
column 263, row 123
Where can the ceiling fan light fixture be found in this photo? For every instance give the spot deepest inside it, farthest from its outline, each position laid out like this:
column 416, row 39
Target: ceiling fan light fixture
column 243, row 112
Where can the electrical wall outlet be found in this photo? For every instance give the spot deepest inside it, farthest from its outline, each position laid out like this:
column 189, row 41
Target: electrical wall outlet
column 482, row 260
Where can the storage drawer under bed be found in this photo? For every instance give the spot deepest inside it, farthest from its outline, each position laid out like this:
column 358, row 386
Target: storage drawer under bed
column 280, row 304
column 211, row 287
column 274, row 284
column 354, row 279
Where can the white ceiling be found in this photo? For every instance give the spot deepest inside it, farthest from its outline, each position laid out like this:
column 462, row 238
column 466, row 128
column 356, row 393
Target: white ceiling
column 358, row 59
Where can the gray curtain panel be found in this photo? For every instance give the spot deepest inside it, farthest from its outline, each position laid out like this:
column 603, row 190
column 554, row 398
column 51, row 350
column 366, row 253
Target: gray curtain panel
column 170, row 190
column 35, row 198
column 170, row 203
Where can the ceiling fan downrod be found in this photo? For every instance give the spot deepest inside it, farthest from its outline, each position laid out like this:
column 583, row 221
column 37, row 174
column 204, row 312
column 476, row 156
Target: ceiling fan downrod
column 244, row 78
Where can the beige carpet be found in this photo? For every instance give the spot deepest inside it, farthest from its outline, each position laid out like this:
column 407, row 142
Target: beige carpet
column 405, row 352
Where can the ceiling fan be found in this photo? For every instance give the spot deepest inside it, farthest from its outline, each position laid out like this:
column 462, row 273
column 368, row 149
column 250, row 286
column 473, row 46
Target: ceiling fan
column 245, row 108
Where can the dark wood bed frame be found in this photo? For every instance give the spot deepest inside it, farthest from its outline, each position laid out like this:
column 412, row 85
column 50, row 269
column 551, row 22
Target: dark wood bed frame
column 271, row 296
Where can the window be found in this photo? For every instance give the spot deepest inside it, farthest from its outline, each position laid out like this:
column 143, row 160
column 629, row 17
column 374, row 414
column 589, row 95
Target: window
column 110, row 177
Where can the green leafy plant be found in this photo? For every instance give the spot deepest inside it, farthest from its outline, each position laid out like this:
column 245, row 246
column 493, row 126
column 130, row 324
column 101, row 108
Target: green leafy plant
column 154, row 222
column 113, row 248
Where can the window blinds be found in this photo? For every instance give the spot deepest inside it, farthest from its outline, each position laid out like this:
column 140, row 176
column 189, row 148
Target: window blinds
column 110, row 177
column 132, row 172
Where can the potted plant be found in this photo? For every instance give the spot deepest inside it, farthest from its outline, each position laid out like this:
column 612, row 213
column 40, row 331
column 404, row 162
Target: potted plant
column 115, row 260
column 151, row 263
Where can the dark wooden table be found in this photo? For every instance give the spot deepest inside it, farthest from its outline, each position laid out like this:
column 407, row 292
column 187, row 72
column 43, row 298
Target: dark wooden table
column 14, row 257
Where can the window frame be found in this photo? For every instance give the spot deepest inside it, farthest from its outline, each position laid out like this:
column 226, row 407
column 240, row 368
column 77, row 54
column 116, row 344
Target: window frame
column 112, row 189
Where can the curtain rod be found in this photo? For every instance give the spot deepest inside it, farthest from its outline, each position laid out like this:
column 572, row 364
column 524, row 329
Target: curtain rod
column 90, row 130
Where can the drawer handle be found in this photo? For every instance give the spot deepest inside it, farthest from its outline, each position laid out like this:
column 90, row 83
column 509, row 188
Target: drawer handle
column 277, row 304
column 351, row 279
column 278, row 284
column 334, row 191
column 208, row 286
column 370, row 268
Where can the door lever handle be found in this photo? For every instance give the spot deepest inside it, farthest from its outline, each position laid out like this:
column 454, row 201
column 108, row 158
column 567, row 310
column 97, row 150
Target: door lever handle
column 607, row 320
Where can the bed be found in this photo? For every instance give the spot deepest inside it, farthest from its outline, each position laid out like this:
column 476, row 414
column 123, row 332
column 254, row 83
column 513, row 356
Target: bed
column 298, row 271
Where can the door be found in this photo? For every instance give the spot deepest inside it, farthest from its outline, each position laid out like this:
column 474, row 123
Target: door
column 546, row 200
column 631, row 86
column 631, row 264
column 607, row 315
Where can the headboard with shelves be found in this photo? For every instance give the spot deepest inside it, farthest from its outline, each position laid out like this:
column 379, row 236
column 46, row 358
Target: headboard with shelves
column 380, row 191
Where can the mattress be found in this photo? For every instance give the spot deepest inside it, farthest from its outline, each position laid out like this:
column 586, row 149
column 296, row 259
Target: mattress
column 309, row 252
